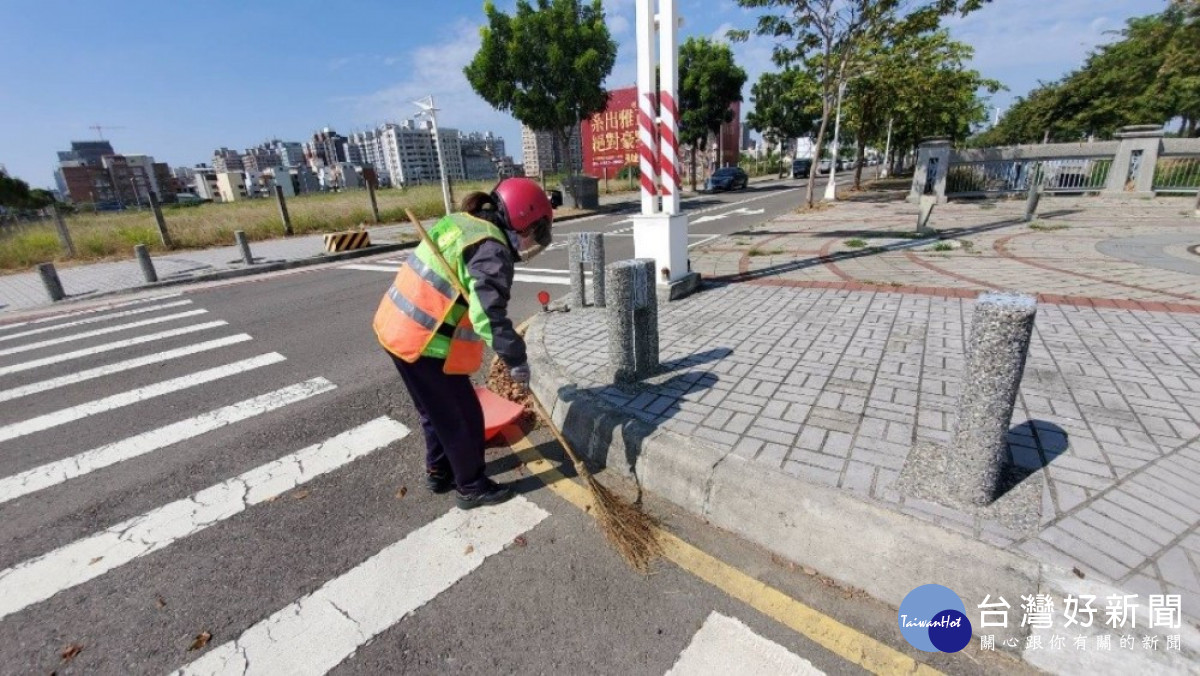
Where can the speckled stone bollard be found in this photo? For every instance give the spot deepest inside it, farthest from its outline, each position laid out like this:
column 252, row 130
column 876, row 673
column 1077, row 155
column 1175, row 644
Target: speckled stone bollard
column 586, row 248
column 244, row 245
column 996, row 351
column 1031, row 201
column 1198, row 205
column 632, row 308
column 143, row 257
column 54, row 287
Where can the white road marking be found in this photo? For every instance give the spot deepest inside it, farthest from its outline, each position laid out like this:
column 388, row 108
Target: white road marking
column 109, row 369
column 93, row 320
column 541, row 279
column 101, row 332
column 704, row 241
column 77, row 313
column 725, row 646
column 371, row 268
column 107, row 347
column 42, row 577
column 54, row 473
column 66, row 415
column 319, row 631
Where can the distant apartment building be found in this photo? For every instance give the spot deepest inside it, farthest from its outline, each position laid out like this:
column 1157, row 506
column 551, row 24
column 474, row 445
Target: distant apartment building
column 91, row 172
column 290, row 153
column 259, row 159
column 231, row 186
column 367, row 146
column 483, row 155
column 543, row 151
column 410, row 155
column 295, row 180
column 225, row 159
column 327, row 148
column 204, row 183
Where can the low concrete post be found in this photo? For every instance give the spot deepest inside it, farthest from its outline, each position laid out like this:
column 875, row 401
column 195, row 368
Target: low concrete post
column 283, row 212
column 50, row 278
column 586, row 248
column 143, row 256
column 928, row 202
column 64, row 235
column 240, row 236
column 162, row 222
column 374, row 204
column 996, row 350
column 632, row 308
column 1198, row 205
column 1035, row 193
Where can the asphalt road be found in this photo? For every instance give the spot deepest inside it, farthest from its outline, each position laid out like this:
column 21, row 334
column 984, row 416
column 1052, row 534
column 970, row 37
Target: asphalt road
column 240, row 461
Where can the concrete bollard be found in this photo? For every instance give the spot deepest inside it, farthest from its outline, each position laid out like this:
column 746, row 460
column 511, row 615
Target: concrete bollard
column 50, row 278
column 927, row 203
column 1031, row 202
column 143, row 256
column 632, row 308
column 996, row 350
column 586, row 248
column 240, row 236
column 1198, row 205
column 283, row 212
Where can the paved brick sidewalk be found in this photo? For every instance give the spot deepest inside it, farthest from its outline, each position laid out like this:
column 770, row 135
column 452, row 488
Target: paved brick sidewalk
column 836, row 385
column 1114, row 249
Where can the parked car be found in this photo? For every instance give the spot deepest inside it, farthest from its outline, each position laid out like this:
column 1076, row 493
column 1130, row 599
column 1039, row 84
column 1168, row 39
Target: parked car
column 824, row 165
column 801, row 168
column 727, row 178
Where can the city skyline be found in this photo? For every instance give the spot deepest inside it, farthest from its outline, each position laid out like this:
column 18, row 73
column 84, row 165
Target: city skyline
column 180, row 83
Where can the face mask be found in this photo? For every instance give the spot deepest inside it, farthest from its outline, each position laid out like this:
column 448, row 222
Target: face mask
column 531, row 252
column 533, row 242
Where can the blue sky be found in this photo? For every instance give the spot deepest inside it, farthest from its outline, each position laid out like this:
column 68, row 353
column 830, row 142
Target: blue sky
column 185, row 78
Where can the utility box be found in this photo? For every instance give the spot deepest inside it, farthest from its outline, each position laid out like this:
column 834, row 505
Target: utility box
column 586, row 188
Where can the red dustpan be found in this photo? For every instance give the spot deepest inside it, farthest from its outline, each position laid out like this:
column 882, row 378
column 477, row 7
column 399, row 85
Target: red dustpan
column 497, row 411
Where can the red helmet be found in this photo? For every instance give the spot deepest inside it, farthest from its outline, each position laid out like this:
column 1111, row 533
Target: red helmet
column 524, row 203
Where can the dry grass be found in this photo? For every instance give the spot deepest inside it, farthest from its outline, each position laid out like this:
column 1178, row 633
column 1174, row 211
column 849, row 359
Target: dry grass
column 109, row 236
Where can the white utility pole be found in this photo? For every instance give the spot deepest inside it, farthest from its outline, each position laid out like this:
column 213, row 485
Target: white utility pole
column 831, row 187
column 887, row 152
column 428, row 109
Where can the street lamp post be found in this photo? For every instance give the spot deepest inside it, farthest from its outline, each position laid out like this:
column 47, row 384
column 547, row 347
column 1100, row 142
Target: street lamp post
column 887, row 152
column 428, row 109
column 831, row 187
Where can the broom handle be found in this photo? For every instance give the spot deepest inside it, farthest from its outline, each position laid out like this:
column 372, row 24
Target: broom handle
column 541, row 412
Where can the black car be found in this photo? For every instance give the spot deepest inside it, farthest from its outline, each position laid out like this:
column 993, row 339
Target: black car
column 800, row 168
column 727, row 178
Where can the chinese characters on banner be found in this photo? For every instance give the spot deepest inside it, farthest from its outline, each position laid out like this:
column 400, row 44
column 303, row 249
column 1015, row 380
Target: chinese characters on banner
column 1118, row 614
column 610, row 138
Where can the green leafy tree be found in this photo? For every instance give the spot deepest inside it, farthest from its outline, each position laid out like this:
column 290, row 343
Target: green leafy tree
column 786, row 105
column 709, row 82
column 833, row 37
column 15, row 194
column 545, row 64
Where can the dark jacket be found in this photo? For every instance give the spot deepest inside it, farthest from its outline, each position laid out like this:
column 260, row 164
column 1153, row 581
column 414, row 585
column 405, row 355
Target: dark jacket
column 491, row 266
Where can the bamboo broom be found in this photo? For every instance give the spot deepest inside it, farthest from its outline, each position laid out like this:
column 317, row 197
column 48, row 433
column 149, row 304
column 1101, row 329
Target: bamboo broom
column 633, row 532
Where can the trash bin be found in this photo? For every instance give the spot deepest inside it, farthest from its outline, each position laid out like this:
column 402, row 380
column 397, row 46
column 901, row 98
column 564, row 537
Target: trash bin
column 587, row 189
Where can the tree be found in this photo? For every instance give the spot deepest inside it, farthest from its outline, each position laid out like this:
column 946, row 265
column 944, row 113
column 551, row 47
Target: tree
column 546, row 64
column 709, row 82
column 786, row 106
column 15, row 194
column 832, row 36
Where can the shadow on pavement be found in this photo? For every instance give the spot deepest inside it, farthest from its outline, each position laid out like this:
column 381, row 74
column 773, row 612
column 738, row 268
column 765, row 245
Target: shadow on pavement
column 1050, row 440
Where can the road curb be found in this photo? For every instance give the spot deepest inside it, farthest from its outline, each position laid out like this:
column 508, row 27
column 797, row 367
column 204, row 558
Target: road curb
column 851, row 539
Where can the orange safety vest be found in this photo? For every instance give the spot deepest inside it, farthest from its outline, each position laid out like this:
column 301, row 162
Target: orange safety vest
column 422, row 314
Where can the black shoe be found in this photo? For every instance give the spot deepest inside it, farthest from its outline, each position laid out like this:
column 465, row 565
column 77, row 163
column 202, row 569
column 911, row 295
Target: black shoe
column 493, row 494
column 439, row 483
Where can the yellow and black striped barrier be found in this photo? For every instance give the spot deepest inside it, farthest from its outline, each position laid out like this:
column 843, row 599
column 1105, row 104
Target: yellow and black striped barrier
column 346, row 241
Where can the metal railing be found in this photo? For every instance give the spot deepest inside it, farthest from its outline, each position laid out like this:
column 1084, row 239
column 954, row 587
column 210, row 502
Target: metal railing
column 1177, row 174
column 1002, row 177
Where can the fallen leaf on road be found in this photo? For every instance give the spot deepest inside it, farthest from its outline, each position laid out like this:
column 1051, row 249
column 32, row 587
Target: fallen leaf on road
column 402, row 492
column 300, row 494
column 1078, row 573
column 202, row 640
column 520, row 541
column 95, row 561
column 470, row 548
column 162, row 603
column 71, row 651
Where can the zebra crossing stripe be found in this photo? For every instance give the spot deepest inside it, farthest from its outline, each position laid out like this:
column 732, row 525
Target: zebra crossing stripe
column 541, row 279
column 725, row 645
column 40, row 578
column 109, row 369
column 54, row 473
column 66, row 415
column 93, row 320
column 77, row 313
column 366, row 267
column 319, row 631
column 101, row 332
column 108, row 347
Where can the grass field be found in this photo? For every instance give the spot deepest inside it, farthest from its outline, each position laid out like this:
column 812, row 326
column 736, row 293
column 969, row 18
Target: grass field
column 111, row 236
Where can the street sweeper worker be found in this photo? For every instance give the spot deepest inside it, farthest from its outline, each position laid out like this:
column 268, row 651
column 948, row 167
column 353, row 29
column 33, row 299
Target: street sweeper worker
column 435, row 335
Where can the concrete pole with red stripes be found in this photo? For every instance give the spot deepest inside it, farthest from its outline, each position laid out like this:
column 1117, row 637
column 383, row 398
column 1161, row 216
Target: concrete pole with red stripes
column 661, row 231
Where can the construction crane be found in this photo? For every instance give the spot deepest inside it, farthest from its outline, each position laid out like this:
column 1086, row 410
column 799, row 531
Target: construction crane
column 101, row 127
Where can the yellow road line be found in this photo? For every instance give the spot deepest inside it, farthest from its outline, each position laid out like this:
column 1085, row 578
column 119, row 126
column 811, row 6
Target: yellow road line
column 839, row 639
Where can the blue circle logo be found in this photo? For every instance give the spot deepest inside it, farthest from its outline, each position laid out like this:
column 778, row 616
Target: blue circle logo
column 933, row 618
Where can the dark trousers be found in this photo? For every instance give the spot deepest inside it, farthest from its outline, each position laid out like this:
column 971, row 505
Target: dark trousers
column 451, row 418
